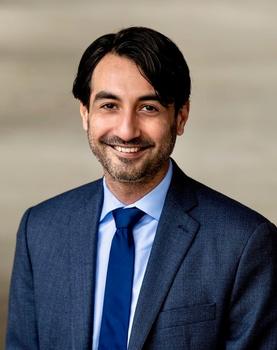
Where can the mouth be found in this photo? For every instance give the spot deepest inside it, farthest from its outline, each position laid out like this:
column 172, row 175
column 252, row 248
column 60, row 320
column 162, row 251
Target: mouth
column 130, row 151
column 123, row 149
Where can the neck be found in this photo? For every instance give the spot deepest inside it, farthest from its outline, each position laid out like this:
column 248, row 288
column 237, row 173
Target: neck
column 130, row 192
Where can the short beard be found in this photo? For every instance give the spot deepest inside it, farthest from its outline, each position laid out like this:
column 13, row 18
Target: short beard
column 125, row 173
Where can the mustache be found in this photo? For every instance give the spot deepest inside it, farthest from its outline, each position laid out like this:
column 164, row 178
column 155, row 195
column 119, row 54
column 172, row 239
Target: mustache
column 117, row 141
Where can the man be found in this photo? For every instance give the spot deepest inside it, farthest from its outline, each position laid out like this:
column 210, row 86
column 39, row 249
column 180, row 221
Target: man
column 194, row 269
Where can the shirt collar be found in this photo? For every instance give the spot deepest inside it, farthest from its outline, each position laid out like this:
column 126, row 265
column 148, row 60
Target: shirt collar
column 152, row 203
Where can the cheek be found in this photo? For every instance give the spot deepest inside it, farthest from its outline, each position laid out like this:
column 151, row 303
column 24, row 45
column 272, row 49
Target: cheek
column 160, row 131
column 98, row 127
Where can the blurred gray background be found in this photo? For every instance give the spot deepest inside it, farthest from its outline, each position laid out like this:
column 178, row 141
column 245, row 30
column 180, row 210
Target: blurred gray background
column 230, row 140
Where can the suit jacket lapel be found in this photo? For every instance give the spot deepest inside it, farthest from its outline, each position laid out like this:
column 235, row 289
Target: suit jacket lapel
column 83, row 246
column 174, row 236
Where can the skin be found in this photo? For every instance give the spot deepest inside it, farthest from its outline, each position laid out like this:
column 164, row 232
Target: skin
column 131, row 133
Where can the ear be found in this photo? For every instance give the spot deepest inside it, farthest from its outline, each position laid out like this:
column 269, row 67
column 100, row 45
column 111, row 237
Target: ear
column 84, row 115
column 182, row 118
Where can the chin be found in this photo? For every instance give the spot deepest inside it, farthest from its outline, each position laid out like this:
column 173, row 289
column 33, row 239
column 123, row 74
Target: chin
column 126, row 177
column 133, row 176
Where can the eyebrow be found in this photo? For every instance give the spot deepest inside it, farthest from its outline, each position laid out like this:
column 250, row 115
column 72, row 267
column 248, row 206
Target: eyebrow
column 101, row 95
column 106, row 95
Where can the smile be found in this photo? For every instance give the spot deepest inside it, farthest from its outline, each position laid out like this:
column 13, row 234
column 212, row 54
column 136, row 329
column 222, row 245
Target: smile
column 127, row 149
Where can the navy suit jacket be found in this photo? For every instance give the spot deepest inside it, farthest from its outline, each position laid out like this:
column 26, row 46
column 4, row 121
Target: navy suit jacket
column 210, row 283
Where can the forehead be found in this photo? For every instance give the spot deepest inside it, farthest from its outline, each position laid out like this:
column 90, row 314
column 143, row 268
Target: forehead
column 119, row 74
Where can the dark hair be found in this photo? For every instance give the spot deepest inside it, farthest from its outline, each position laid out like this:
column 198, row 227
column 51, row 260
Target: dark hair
column 157, row 57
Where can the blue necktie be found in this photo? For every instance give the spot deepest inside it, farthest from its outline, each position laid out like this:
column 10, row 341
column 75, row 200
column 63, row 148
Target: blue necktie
column 119, row 281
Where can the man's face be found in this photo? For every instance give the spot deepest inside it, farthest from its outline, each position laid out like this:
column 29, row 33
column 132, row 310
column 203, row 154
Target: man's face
column 129, row 131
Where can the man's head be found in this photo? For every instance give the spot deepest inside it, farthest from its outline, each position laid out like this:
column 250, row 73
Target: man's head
column 134, row 90
column 157, row 57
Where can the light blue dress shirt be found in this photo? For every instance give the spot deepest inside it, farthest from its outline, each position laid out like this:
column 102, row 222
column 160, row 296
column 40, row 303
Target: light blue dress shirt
column 144, row 234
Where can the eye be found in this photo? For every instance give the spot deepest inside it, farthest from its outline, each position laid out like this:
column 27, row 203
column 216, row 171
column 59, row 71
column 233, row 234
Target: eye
column 149, row 108
column 109, row 106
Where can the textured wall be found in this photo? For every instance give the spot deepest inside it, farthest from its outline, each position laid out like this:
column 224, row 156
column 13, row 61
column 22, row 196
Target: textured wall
column 230, row 141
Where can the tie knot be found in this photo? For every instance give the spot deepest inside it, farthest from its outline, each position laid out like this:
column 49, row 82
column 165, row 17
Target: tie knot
column 127, row 218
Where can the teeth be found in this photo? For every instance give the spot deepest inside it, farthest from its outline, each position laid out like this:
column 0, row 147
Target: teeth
column 127, row 149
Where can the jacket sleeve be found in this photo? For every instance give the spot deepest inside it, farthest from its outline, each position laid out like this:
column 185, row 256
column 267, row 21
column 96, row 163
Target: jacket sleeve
column 252, row 323
column 22, row 328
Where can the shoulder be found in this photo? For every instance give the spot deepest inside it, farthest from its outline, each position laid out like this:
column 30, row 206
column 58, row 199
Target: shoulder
column 60, row 207
column 224, row 208
column 73, row 197
column 222, row 222
column 215, row 209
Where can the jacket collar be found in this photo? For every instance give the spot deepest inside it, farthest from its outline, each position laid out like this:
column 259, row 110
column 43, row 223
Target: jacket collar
column 172, row 242
column 83, row 229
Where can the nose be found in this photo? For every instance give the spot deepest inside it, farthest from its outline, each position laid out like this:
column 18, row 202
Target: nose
column 127, row 126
